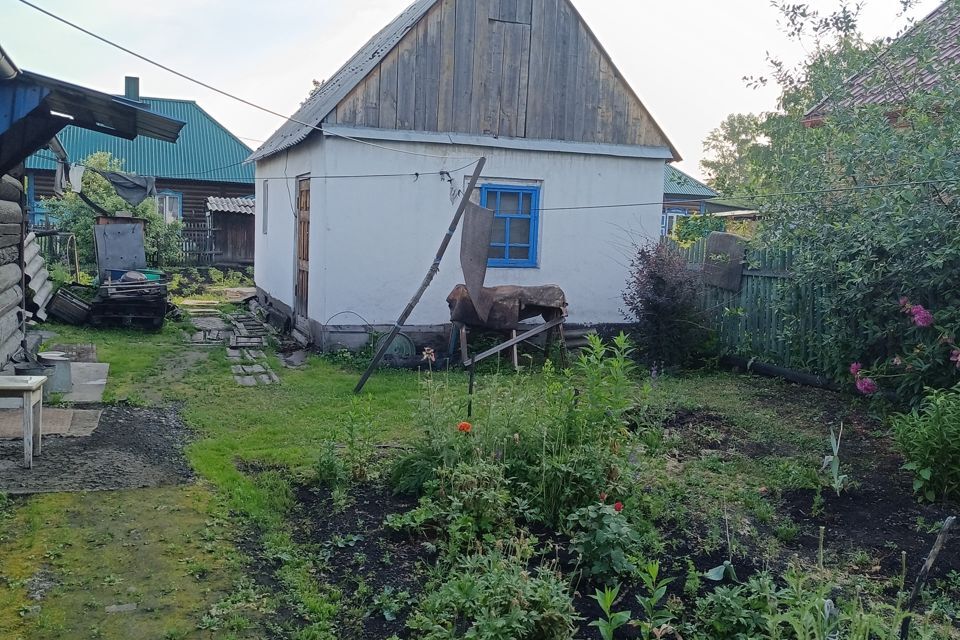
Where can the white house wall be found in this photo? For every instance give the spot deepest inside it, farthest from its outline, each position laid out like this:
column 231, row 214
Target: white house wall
column 274, row 261
column 374, row 238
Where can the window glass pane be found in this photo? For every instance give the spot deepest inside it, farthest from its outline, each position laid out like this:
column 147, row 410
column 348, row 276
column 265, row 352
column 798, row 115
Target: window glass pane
column 519, row 253
column 509, row 203
column 519, row 231
column 499, row 233
column 525, row 204
column 497, row 253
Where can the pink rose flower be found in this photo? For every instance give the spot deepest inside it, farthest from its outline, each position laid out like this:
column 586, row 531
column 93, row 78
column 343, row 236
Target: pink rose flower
column 921, row 317
column 867, row 386
column 855, row 368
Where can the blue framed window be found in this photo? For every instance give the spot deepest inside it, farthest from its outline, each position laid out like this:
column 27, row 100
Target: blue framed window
column 170, row 206
column 513, row 242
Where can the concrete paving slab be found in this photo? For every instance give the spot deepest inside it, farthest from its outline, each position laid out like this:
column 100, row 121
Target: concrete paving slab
column 89, row 381
column 72, row 423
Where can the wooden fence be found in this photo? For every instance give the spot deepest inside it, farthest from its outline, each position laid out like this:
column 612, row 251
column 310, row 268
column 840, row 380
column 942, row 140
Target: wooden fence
column 771, row 318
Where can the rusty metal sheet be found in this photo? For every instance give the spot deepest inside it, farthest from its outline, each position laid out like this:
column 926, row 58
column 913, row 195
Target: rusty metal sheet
column 474, row 249
column 510, row 305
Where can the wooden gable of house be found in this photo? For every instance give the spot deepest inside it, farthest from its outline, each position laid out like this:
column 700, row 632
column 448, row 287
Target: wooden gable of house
column 503, row 68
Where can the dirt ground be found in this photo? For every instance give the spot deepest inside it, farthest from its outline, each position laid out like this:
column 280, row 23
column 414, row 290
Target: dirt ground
column 133, row 447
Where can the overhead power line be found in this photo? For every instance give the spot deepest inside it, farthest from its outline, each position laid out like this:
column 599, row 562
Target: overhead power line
column 227, row 94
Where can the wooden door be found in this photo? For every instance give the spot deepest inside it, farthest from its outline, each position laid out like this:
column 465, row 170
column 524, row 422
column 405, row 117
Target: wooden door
column 301, row 286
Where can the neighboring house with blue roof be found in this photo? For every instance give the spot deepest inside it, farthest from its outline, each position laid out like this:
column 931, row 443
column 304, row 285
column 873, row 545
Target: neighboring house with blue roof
column 682, row 196
column 206, row 161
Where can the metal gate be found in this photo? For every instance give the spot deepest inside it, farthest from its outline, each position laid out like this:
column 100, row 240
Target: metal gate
column 301, row 287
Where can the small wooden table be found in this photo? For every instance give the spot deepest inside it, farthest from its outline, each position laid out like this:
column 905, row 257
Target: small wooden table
column 29, row 390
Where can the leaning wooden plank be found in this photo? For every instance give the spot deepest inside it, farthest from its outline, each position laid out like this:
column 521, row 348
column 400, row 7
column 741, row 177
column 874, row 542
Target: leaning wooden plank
column 10, row 212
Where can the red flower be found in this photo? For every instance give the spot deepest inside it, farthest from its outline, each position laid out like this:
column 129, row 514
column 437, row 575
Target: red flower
column 618, row 506
column 464, row 427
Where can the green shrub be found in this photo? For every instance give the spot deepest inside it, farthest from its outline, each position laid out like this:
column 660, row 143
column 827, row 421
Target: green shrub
column 494, row 595
column 560, row 437
column 662, row 297
column 929, row 438
column 604, row 541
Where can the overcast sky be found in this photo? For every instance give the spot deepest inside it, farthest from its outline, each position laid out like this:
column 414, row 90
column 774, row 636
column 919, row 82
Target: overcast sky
column 685, row 58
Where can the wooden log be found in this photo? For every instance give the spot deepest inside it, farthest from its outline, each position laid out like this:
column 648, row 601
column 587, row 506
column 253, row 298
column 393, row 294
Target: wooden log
column 9, row 255
column 11, row 189
column 9, row 276
column 10, row 213
column 10, row 299
column 9, row 323
column 10, row 347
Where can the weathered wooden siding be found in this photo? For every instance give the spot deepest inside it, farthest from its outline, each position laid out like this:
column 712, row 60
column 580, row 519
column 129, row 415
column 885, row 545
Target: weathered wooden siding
column 512, row 68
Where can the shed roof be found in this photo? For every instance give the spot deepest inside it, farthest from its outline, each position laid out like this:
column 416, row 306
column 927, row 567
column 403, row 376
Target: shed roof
column 888, row 78
column 206, row 150
column 231, row 205
column 677, row 183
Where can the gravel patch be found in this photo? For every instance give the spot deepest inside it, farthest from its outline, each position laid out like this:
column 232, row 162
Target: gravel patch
column 132, row 447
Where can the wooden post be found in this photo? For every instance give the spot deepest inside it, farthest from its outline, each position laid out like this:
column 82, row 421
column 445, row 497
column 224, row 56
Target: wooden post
column 924, row 572
column 463, row 343
column 514, row 356
column 427, row 279
column 27, row 430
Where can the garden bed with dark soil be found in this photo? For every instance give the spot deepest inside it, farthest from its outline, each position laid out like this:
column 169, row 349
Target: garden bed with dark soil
column 361, row 556
column 879, row 513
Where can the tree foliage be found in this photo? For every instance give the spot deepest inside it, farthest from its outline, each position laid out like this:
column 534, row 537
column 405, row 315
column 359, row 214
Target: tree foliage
column 162, row 239
column 873, row 216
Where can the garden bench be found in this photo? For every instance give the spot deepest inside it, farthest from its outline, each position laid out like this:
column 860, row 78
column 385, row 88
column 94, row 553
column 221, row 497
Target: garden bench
column 29, row 391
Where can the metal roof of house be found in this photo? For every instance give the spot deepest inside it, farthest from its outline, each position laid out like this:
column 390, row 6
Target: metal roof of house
column 890, row 77
column 206, row 151
column 331, row 92
column 231, row 205
column 677, row 183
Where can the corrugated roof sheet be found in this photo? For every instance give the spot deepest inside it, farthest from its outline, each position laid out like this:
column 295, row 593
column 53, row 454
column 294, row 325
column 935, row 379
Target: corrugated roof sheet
column 205, row 151
column 677, row 183
column 889, row 77
column 329, row 95
column 231, row 205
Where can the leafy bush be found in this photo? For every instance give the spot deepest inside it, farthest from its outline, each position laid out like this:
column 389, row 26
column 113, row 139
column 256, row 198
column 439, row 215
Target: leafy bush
column 603, row 540
column 662, row 298
column 494, row 595
column 691, row 228
column 929, row 438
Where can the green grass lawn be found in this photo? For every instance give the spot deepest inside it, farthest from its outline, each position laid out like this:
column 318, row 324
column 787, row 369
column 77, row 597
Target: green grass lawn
column 181, row 554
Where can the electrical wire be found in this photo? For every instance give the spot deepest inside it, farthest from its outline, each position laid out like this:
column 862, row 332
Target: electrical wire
column 227, row 94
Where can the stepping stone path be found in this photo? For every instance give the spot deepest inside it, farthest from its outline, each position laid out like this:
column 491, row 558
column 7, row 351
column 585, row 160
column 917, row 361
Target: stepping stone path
column 245, row 336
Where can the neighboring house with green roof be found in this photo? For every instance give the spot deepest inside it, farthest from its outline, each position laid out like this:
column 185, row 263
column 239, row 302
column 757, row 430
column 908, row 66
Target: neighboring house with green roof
column 206, row 161
column 682, row 196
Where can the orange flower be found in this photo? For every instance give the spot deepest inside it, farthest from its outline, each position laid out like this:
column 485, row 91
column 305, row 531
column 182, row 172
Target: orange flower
column 464, row 427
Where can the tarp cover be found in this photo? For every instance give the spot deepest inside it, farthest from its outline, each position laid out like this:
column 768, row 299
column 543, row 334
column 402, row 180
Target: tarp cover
column 510, row 304
column 723, row 265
